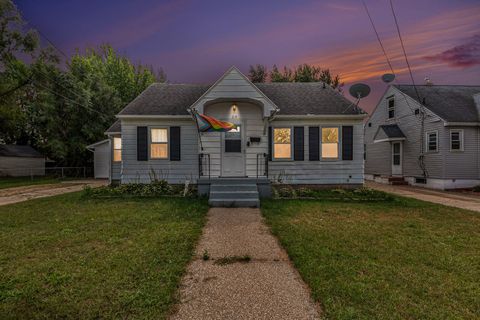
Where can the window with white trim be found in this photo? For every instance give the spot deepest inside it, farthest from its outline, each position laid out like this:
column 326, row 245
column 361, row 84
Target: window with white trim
column 391, row 107
column 456, row 140
column 432, row 141
column 282, row 143
column 159, row 143
column 117, row 149
column 330, row 143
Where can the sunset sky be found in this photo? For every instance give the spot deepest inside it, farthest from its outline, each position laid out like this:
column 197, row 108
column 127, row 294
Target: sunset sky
column 196, row 41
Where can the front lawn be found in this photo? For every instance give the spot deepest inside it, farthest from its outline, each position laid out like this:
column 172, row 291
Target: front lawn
column 400, row 259
column 67, row 257
column 10, row 182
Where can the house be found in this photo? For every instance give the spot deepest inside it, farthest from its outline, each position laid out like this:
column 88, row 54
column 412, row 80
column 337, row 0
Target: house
column 429, row 139
column 296, row 133
column 21, row 160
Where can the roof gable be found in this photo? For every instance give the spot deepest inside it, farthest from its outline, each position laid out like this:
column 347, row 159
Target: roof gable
column 234, row 85
column 13, row 150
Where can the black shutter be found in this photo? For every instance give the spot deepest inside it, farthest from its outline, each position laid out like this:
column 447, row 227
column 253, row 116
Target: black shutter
column 313, row 143
column 142, row 144
column 298, row 138
column 270, row 142
column 175, row 143
column 347, row 143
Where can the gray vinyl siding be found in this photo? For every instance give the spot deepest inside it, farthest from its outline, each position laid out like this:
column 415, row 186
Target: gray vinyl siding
column 22, row 166
column 324, row 171
column 378, row 155
column 134, row 171
column 462, row 164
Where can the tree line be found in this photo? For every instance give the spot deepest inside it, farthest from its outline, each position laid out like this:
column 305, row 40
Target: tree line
column 301, row 73
column 60, row 108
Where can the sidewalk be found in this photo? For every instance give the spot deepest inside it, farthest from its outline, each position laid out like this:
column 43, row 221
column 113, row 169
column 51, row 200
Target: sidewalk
column 447, row 198
column 266, row 287
column 19, row 194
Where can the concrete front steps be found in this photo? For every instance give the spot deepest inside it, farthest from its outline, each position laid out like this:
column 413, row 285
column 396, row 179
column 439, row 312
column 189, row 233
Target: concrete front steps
column 234, row 192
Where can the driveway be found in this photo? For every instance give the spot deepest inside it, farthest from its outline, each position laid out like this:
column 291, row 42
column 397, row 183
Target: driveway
column 447, row 198
column 19, row 194
column 266, row 287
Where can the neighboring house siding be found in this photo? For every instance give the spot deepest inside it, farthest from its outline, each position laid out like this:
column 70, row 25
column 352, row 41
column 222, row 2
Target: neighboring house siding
column 379, row 155
column 173, row 171
column 21, row 166
column 250, row 116
column 323, row 171
column 101, row 159
column 462, row 164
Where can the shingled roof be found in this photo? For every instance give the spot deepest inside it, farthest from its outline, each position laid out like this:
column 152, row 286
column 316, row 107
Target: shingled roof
column 453, row 103
column 292, row 99
column 115, row 127
column 13, row 150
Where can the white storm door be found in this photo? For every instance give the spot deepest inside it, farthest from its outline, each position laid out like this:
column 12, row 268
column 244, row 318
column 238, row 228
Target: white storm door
column 233, row 157
column 397, row 158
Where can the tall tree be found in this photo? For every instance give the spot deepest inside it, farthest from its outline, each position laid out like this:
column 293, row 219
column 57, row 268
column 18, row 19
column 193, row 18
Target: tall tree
column 305, row 73
column 258, row 73
column 277, row 76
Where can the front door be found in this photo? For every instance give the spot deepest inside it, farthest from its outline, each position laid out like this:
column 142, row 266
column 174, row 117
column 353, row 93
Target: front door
column 233, row 157
column 397, row 159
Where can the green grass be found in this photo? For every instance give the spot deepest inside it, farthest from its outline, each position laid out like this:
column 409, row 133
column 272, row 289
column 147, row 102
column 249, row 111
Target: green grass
column 10, row 182
column 401, row 259
column 67, row 257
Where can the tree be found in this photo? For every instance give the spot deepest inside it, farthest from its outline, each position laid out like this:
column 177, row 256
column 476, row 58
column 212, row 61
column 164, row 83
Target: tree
column 14, row 74
column 305, row 73
column 258, row 73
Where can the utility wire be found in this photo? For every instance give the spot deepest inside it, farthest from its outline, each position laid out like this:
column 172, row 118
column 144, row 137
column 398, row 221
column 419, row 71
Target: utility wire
column 21, row 85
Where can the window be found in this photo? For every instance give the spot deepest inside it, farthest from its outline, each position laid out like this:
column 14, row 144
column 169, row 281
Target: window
column 432, row 141
column 282, row 145
column 158, row 143
column 391, row 107
column 456, row 140
column 233, row 140
column 117, row 149
column 329, row 143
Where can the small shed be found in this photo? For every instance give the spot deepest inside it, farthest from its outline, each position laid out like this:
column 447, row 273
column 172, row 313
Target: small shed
column 21, row 160
column 101, row 158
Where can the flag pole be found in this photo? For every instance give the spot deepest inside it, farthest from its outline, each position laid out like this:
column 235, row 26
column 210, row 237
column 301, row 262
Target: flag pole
column 198, row 128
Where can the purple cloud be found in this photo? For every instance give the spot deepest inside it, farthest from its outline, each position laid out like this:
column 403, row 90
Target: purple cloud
column 465, row 55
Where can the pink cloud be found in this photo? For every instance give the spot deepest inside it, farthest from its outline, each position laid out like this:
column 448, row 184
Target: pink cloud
column 464, row 55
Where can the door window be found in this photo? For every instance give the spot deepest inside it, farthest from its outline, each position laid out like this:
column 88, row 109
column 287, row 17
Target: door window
column 233, row 140
column 396, row 154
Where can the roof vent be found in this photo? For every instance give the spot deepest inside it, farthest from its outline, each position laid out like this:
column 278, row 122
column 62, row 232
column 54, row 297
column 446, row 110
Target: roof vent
column 428, row 82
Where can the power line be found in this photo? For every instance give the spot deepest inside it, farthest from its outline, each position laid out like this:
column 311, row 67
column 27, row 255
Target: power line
column 404, row 51
column 21, row 85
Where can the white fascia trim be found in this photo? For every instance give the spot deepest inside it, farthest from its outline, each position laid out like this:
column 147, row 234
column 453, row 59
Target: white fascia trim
column 111, row 133
column 93, row 145
column 153, row 116
column 460, row 124
column 389, row 140
column 321, row 116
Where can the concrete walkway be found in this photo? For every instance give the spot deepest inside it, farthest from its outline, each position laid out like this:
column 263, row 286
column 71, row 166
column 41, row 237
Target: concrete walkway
column 447, row 198
column 19, row 194
column 267, row 287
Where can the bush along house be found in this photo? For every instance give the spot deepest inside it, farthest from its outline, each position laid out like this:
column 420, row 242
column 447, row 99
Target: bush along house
column 426, row 135
column 234, row 138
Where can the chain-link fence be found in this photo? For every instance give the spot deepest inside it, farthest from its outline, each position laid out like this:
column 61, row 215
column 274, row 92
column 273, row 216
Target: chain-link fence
column 48, row 172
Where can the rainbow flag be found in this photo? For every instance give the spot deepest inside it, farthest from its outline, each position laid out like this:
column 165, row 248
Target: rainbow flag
column 210, row 124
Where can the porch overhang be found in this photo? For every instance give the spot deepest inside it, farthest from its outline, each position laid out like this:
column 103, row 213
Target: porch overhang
column 389, row 140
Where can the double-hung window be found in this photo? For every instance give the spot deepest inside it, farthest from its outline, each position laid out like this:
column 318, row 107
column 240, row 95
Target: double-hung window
column 158, row 143
column 391, row 107
column 117, row 149
column 282, row 143
column 330, row 143
column 456, row 140
column 432, row 141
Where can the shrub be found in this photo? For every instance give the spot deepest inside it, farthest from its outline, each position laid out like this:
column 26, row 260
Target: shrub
column 360, row 194
column 476, row 188
column 156, row 188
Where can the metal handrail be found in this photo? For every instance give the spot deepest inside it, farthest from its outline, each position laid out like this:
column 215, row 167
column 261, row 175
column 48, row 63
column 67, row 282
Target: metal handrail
column 201, row 165
column 265, row 164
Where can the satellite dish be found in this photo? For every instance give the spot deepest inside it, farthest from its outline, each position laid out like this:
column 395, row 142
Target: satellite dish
column 359, row 90
column 388, row 77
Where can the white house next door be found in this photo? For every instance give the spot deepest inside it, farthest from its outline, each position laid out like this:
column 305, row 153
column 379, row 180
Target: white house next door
column 233, row 156
column 397, row 159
